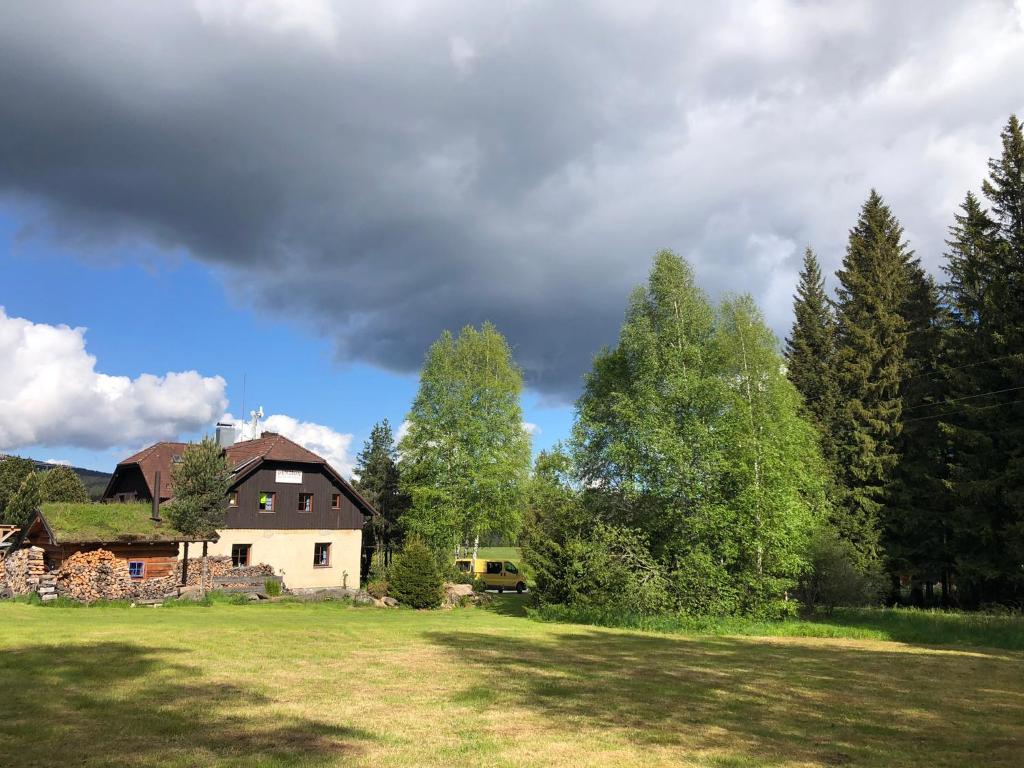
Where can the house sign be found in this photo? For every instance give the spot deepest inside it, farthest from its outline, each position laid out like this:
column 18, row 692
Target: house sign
column 288, row 476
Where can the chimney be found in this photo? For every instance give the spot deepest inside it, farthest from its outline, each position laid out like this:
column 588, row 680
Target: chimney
column 156, row 497
column 226, row 434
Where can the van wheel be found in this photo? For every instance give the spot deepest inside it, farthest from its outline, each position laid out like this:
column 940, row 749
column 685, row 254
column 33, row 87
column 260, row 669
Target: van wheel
column 500, row 590
column 520, row 587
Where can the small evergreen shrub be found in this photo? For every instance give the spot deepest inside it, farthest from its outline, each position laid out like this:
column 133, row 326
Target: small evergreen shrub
column 377, row 588
column 416, row 580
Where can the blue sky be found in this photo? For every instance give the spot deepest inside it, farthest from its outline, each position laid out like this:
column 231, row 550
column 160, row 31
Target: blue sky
column 147, row 314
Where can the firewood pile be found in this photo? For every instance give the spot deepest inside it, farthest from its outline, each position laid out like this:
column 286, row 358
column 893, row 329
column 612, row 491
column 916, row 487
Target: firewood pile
column 220, row 567
column 96, row 575
column 100, row 575
column 21, row 571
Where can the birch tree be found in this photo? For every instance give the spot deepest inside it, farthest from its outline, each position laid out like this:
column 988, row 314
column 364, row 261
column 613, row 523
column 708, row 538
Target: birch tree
column 466, row 456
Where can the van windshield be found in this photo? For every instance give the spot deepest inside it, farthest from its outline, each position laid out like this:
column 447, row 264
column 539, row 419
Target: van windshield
column 511, row 568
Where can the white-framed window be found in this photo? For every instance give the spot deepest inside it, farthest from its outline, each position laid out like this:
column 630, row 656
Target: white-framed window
column 136, row 569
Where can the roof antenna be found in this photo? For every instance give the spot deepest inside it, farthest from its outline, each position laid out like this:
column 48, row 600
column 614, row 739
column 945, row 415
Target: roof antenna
column 256, row 416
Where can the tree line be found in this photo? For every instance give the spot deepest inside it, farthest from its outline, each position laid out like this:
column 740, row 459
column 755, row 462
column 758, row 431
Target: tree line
column 878, row 452
column 916, row 387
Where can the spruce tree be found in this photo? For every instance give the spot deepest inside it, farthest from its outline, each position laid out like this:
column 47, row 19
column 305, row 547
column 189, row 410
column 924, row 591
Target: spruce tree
column 378, row 480
column 985, row 370
column 870, row 368
column 916, row 519
column 810, row 353
column 967, row 370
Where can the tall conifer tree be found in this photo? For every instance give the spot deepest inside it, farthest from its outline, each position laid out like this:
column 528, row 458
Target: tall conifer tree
column 810, row 353
column 984, row 373
column 916, row 521
column 378, row 480
column 870, row 368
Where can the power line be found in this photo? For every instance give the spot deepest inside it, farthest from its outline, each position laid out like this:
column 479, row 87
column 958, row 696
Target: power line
column 961, row 367
column 963, row 411
column 965, row 397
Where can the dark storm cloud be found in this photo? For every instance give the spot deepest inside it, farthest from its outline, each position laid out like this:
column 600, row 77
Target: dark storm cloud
column 383, row 175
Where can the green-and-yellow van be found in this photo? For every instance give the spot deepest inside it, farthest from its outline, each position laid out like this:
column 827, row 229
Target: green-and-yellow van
column 495, row 574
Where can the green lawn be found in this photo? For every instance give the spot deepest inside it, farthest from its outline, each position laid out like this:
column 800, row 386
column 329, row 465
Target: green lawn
column 500, row 553
column 324, row 684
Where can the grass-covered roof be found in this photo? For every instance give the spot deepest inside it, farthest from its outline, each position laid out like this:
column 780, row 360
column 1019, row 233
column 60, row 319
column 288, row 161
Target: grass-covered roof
column 108, row 523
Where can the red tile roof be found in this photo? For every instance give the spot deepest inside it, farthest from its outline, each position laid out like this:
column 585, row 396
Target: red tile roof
column 269, row 446
column 158, row 456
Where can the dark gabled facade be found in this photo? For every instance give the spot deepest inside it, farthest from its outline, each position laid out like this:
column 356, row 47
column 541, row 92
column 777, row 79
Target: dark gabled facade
column 269, row 464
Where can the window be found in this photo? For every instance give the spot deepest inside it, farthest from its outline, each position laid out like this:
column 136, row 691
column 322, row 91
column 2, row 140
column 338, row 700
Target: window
column 463, row 565
column 509, row 568
column 267, row 501
column 493, row 567
column 335, row 501
column 136, row 569
column 233, row 499
column 321, row 555
column 240, row 555
column 305, row 502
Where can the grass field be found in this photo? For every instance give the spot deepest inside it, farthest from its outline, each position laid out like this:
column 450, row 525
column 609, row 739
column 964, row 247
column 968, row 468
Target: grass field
column 325, row 684
column 500, row 553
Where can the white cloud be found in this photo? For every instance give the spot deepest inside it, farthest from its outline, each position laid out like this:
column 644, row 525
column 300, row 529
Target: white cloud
column 52, row 394
column 403, row 430
column 315, row 18
column 462, row 54
column 58, row 462
column 320, row 439
column 531, row 429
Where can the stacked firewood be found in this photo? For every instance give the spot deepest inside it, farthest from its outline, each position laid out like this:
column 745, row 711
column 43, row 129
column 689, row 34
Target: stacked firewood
column 220, row 567
column 21, row 571
column 91, row 576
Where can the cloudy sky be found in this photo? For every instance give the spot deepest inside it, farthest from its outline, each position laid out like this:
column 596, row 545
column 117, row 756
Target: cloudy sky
column 284, row 202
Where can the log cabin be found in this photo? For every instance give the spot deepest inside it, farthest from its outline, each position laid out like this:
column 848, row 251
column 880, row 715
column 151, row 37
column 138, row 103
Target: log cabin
column 287, row 507
column 150, row 547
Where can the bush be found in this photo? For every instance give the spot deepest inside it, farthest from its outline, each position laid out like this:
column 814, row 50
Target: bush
column 836, row 577
column 415, row 578
column 612, row 569
column 272, row 587
column 702, row 587
column 377, row 588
